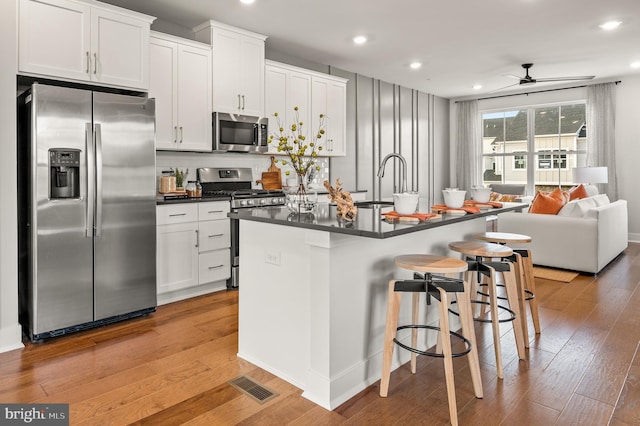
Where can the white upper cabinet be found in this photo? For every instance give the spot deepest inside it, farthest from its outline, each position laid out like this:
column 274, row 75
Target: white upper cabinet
column 180, row 81
column 238, row 68
column 328, row 97
column 285, row 89
column 84, row 41
column 315, row 93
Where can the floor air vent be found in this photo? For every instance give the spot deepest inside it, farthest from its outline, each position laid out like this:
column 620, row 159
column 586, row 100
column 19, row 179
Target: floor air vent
column 254, row 390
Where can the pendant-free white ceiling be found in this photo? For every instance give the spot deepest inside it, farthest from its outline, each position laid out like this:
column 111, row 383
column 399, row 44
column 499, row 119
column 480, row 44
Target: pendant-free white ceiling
column 461, row 43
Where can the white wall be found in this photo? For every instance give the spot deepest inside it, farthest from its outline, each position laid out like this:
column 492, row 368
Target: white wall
column 10, row 334
column 628, row 149
column 627, row 135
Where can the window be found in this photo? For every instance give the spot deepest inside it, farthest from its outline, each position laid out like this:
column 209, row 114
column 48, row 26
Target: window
column 552, row 161
column 520, row 161
column 552, row 138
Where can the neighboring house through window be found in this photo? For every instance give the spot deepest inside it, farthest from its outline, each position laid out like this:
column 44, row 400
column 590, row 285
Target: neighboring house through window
column 551, row 137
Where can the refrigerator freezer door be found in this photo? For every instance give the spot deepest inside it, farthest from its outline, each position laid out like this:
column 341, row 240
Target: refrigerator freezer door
column 125, row 242
column 61, row 278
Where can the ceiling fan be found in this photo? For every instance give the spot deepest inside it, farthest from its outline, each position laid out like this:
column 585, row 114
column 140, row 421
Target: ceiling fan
column 528, row 80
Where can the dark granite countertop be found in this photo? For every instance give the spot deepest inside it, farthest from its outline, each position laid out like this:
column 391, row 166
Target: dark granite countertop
column 368, row 222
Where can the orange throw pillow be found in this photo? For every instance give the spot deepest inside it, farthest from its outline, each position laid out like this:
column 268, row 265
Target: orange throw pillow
column 578, row 192
column 548, row 203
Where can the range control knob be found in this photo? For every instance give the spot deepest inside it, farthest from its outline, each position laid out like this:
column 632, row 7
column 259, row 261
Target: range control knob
column 250, row 202
column 263, row 201
column 243, row 202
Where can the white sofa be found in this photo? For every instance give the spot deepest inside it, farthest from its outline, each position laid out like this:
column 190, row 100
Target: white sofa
column 585, row 236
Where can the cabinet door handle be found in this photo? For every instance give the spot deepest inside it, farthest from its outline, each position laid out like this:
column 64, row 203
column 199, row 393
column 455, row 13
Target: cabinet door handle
column 216, row 235
column 175, row 134
column 215, row 267
column 239, row 102
column 88, row 63
column 197, row 237
column 95, row 63
column 243, row 102
column 215, row 211
column 177, row 214
column 180, row 134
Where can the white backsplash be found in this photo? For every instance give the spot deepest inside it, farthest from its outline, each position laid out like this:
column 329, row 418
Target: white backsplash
column 258, row 163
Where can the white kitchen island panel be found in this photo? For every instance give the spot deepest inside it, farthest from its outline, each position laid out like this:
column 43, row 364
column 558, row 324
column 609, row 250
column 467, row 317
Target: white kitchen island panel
column 312, row 304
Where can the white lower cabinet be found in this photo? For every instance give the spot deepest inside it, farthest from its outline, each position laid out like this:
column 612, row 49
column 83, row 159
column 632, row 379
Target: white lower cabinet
column 193, row 254
column 177, row 256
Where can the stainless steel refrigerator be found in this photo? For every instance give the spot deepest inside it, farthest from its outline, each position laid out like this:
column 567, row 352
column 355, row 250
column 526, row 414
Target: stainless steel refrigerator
column 86, row 196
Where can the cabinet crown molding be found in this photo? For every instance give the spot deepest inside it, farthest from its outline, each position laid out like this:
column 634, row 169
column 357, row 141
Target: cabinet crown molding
column 215, row 24
column 312, row 73
column 117, row 9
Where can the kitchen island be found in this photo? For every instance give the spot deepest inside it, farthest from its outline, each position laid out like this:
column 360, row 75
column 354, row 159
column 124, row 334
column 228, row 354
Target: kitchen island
column 313, row 292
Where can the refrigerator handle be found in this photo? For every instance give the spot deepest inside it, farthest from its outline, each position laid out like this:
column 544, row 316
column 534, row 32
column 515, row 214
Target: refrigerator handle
column 98, row 138
column 90, row 165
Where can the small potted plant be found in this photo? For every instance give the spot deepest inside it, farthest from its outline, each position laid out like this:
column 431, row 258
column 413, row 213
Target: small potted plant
column 180, row 175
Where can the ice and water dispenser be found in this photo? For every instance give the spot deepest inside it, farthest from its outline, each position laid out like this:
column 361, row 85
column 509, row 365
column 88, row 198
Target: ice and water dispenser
column 64, row 173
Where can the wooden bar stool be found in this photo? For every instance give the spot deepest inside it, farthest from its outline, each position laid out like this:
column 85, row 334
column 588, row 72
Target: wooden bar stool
column 482, row 251
column 437, row 287
column 526, row 280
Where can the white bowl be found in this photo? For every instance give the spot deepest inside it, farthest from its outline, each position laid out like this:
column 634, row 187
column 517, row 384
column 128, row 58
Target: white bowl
column 453, row 197
column 480, row 194
column 406, row 202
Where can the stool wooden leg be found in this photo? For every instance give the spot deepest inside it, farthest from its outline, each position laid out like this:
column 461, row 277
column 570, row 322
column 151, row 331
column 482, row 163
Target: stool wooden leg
column 445, row 339
column 415, row 310
column 393, row 309
column 494, row 322
column 512, row 297
column 522, row 303
column 468, row 331
column 531, row 286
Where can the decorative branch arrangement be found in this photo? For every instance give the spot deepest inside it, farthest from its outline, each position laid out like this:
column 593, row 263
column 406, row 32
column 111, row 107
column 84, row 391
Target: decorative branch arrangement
column 345, row 206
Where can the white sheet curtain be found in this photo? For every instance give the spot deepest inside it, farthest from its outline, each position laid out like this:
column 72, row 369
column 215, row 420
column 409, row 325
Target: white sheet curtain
column 601, row 132
column 468, row 146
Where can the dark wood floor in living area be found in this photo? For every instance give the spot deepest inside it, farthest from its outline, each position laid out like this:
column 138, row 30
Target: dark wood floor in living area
column 172, row 368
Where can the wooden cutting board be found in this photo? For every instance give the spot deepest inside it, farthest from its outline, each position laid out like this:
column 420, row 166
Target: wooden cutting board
column 270, row 180
column 274, row 168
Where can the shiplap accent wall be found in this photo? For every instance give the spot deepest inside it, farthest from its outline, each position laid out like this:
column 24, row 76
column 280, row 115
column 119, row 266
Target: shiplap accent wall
column 385, row 118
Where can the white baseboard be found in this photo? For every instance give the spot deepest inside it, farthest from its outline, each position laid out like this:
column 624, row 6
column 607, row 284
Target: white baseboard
column 634, row 238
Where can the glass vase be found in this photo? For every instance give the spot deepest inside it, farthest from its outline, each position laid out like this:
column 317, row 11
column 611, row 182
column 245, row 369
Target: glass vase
column 300, row 198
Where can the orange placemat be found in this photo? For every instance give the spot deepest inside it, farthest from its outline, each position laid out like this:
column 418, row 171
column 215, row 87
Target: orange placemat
column 442, row 208
column 420, row 217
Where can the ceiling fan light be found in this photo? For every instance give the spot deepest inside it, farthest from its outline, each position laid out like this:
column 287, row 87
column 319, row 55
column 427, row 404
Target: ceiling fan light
column 610, row 25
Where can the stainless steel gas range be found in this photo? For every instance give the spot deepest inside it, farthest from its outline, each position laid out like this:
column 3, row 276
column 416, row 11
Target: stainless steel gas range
column 236, row 183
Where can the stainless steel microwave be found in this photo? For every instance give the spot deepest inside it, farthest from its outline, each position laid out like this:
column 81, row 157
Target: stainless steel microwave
column 239, row 133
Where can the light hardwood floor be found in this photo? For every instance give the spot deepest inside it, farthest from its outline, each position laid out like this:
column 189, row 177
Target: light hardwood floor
column 172, row 368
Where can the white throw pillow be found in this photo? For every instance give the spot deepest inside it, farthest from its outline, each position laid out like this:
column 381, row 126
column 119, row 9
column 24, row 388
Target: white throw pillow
column 568, row 209
column 601, row 199
column 577, row 208
column 591, row 190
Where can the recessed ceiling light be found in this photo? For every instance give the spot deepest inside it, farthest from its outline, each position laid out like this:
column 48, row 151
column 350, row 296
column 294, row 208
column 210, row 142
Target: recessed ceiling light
column 635, row 64
column 247, row 1
column 611, row 25
column 360, row 39
column 477, row 86
column 415, row 65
